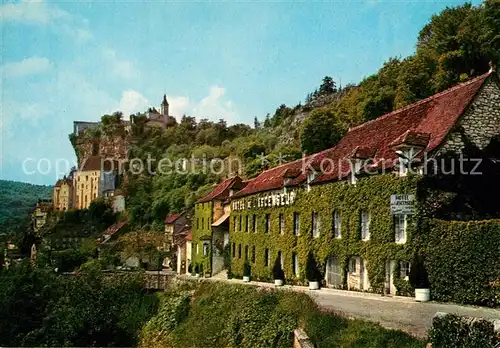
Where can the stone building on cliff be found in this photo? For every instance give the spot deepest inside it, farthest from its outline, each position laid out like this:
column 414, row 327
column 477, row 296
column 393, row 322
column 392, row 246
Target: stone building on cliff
column 62, row 199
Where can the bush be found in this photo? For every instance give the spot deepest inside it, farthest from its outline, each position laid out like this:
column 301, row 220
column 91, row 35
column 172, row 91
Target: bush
column 418, row 274
column 453, row 331
column 246, row 269
column 277, row 270
column 223, row 315
column 312, row 272
column 68, row 260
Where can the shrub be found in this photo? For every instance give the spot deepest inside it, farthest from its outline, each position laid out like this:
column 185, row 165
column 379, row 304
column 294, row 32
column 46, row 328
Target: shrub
column 246, row 269
column 201, row 268
column 277, row 270
column 418, row 274
column 454, row 331
column 312, row 271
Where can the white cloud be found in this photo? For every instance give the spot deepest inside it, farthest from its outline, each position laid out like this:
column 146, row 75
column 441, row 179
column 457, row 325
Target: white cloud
column 215, row 106
column 132, row 102
column 178, row 106
column 120, row 67
column 35, row 11
column 28, row 66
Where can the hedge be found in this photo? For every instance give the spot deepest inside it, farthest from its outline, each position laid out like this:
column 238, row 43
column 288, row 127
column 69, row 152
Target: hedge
column 463, row 261
column 454, row 331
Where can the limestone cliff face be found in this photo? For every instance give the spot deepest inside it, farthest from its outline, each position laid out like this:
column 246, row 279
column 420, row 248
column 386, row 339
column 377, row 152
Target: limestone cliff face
column 113, row 146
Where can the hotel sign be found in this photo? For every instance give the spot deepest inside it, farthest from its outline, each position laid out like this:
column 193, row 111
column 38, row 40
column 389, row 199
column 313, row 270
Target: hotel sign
column 268, row 200
column 402, row 204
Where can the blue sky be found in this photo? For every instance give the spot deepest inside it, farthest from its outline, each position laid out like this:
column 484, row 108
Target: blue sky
column 77, row 60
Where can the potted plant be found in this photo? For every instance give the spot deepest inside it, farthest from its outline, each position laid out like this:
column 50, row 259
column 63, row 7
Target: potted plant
column 313, row 274
column 420, row 280
column 246, row 271
column 278, row 273
column 196, row 270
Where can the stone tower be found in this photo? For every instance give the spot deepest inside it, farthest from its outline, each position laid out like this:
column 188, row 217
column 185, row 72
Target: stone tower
column 164, row 107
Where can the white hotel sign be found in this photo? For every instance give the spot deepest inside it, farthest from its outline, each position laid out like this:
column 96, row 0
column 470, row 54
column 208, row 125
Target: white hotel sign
column 402, row 204
column 269, row 200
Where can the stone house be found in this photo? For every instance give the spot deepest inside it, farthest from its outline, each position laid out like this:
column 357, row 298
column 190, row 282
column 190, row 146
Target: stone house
column 210, row 225
column 62, row 199
column 175, row 223
column 359, row 205
column 39, row 214
column 95, row 178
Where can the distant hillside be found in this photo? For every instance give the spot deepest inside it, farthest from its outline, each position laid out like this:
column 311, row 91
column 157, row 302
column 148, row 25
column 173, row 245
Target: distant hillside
column 17, row 199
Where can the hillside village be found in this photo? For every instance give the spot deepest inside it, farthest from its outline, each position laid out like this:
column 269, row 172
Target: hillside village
column 387, row 187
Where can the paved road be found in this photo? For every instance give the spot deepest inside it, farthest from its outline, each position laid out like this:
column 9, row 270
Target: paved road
column 399, row 313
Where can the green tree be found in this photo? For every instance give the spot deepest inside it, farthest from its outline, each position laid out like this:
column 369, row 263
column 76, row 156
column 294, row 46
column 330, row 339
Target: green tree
column 320, row 131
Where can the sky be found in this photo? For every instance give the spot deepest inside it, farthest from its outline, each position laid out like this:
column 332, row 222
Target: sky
column 78, row 60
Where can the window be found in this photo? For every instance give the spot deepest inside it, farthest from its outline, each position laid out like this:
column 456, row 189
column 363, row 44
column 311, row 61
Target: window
column 268, row 223
column 240, row 224
column 202, row 223
column 282, row 224
column 234, row 223
column 254, row 223
column 404, row 269
column 315, row 225
column 400, row 228
column 296, row 224
column 352, row 265
column 246, row 223
column 234, row 250
column 266, row 258
column 205, row 249
column 197, row 249
column 295, row 264
column 239, row 251
column 336, row 225
column 253, row 254
column 246, row 252
column 365, row 225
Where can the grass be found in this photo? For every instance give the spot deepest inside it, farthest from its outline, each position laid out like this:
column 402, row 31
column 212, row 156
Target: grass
column 226, row 315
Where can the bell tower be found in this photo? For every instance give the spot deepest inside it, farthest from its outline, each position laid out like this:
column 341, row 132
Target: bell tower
column 164, row 107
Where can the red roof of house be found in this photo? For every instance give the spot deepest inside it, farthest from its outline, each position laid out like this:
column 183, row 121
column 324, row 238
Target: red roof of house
column 111, row 230
column 426, row 122
column 171, row 218
column 221, row 191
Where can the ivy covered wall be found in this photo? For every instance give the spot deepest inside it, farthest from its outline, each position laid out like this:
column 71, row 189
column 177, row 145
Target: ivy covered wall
column 463, row 261
column 202, row 230
column 370, row 193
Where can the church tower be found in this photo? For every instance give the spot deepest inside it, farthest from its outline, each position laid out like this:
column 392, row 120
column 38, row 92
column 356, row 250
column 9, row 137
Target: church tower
column 164, row 107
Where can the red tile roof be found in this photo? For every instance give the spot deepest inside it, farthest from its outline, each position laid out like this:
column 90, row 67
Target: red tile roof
column 171, row 218
column 111, row 230
column 221, row 191
column 425, row 122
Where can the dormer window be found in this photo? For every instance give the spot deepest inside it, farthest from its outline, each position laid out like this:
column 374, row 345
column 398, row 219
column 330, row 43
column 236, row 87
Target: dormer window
column 358, row 157
column 407, row 147
column 311, row 176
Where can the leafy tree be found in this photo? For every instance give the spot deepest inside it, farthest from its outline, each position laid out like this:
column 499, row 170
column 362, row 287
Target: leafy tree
column 327, row 87
column 321, row 130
